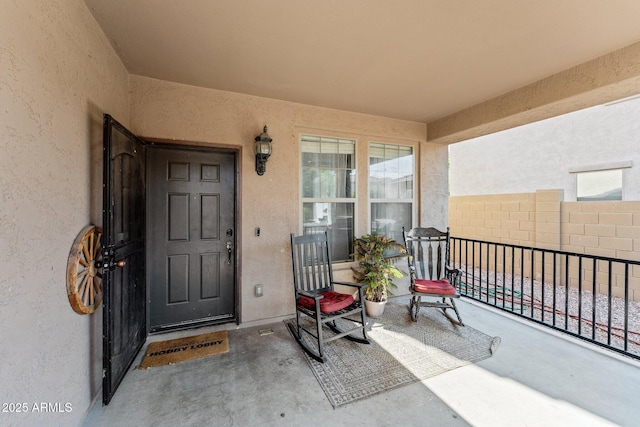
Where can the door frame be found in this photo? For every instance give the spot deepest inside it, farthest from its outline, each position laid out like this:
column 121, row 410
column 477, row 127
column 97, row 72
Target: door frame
column 154, row 143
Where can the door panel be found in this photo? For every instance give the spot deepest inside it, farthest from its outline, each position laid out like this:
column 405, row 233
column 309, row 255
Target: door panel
column 191, row 237
column 124, row 282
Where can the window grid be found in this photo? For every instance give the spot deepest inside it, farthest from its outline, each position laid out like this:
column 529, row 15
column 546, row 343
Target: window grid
column 391, row 188
column 329, row 191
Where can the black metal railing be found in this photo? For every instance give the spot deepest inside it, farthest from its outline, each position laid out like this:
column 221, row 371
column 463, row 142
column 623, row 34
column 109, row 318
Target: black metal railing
column 586, row 296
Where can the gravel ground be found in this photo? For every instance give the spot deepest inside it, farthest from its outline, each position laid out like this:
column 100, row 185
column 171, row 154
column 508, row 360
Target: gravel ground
column 529, row 299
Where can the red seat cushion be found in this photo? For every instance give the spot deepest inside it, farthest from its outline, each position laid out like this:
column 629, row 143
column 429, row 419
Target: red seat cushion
column 332, row 301
column 441, row 287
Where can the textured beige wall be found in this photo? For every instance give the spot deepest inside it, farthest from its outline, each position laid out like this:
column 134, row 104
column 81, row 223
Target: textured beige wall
column 58, row 74
column 167, row 110
column 543, row 220
column 434, row 179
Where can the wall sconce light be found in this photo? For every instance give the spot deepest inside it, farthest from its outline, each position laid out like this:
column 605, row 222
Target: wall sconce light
column 262, row 149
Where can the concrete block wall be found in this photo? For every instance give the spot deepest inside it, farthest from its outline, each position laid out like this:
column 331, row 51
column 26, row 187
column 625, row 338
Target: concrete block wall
column 524, row 219
column 607, row 229
column 503, row 218
column 543, row 220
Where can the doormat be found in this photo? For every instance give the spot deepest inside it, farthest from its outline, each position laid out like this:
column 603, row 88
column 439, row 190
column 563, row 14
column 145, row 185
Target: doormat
column 181, row 349
column 401, row 352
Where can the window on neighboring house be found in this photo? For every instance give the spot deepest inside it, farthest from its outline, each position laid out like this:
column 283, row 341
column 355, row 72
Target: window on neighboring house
column 599, row 185
column 329, row 191
column 391, row 188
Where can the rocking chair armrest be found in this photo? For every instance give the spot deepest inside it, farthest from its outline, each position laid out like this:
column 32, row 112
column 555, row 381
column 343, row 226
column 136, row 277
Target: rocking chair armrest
column 352, row 284
column 309, row 294
column 452, row 271
column 359, row 286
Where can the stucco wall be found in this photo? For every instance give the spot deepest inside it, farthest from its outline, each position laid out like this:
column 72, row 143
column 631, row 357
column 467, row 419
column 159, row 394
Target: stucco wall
column 166, row 110
column 434, row 179
column 58, row 74
column 540, row 155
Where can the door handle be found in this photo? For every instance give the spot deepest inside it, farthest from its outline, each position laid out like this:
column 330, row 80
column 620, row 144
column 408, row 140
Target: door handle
column 229, row 251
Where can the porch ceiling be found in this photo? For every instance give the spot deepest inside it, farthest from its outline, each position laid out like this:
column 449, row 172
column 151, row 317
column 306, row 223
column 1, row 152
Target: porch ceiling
column 417, row 60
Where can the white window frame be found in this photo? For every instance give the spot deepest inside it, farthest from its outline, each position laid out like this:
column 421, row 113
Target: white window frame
column 613, row 166
column 351, row 200
column 415, row 190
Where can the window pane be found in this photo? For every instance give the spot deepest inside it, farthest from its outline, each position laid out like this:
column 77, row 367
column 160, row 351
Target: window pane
column 328, row 185
column 390, row 171
column 350, row 191
column 599, row 185
column 310, row 183
column 329, row 161
column 390, row 181
column 328, row 168
column 389, row 218
column 347, row 152
column 310, row 159
column 337, row 220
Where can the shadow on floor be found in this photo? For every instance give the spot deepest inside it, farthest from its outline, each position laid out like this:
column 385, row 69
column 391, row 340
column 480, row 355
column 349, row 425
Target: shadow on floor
column 535, row 378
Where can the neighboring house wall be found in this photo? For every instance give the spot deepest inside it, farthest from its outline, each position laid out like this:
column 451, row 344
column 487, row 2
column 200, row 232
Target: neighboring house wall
column 543, row 220
column 519, row 186
column 541, row 155
column 58, row 74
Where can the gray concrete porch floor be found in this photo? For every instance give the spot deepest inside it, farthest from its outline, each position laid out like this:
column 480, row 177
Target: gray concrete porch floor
column 536, row 378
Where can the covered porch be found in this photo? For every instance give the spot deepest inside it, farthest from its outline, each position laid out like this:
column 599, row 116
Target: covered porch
column 535, row 378
column 421, row 75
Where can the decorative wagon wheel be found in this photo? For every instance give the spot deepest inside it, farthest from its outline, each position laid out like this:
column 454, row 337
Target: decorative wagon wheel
column 84, row 271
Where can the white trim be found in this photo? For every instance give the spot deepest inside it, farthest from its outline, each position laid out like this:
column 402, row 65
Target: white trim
column 602, row 166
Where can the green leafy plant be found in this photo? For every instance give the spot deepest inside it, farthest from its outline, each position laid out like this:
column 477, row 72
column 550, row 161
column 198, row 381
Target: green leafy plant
column 375, row 254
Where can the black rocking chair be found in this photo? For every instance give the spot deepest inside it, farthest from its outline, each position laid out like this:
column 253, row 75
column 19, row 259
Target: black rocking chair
column 431, row 276
column 318, row 301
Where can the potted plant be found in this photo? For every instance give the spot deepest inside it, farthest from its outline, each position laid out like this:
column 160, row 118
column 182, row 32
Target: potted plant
column 375, row 254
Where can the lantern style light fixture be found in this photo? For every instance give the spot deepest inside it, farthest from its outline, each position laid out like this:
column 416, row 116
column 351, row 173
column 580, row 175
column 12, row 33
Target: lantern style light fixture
column 262, row 149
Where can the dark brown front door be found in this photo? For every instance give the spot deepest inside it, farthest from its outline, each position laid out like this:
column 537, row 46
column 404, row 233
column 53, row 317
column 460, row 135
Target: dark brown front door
column 192, row 237
column 123, row 250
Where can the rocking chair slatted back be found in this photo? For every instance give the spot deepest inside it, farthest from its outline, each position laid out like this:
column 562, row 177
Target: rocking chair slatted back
column 316, row 300
column 429, row 250
column 431, row 275
column 311, row 263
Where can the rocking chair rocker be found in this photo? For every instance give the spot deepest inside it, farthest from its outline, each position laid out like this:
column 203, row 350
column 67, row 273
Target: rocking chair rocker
column 316, row 298
column 431, row 276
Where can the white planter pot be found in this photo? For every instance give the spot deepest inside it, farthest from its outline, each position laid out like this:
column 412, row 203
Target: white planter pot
column 374, row 309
